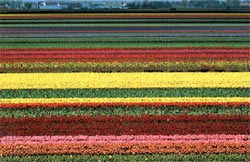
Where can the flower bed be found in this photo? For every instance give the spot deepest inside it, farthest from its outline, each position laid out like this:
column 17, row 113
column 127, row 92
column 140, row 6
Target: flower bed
column 125, row 87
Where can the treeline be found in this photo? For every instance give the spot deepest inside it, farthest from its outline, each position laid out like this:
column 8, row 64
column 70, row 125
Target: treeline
column 125, row 6
column 189, row 4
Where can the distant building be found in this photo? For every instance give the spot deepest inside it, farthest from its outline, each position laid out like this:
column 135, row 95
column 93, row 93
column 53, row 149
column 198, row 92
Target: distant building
column 99, row 6
column 85, row 5
column 245, row 4
column 123, row 4
column 52, row 6
column 4, row 6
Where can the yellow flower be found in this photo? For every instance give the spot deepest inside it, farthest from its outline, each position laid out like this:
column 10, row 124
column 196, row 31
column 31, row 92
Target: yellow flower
column 125, row 100
column 124, row 80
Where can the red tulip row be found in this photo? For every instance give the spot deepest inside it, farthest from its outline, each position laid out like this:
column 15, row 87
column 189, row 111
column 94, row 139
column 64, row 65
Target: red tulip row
column 52, row 51
column 127, row 125
column 117, row 57
column 91, row 105
column 132, row 55
column 65, row 60
column 143, row 118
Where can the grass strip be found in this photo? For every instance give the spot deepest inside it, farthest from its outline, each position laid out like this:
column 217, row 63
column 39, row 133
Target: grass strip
column 124, row 39
column 124, row 80
column 124, row 93
column 124, row 111
column 124, row 45
column 132, row 158
column 199, row 66
column 137, row 24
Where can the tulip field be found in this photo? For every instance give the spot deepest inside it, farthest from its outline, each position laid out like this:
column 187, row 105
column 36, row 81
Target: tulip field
column 125, row 87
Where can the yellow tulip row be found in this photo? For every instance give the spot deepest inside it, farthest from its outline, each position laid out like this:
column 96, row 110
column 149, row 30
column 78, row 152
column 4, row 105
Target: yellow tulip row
column 126, row 100
column 124, row 80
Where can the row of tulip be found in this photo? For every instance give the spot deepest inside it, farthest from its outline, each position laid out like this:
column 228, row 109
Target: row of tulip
column 124, row 139
column 125, row 125
column 205, row 50
column 67, row 65
column 112, row 102
column 128, row 15
column 124, row 148
column 123, row 57
column 125, row 39
column 124, row 80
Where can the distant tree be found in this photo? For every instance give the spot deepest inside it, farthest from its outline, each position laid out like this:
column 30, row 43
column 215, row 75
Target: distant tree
column 28, row 5
column 161, row 4
column 4, row 2
column 133, row 5
column 145, row 4
column 156, row 4
column 233, row 3
column 184, row 3
column 205, row 4
column 14, row 4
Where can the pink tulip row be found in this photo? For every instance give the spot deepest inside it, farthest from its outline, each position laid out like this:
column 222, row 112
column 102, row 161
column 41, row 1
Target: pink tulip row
column 123, row 139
